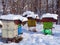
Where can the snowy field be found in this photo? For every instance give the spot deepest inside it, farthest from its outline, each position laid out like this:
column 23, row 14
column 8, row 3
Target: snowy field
column 38, row 38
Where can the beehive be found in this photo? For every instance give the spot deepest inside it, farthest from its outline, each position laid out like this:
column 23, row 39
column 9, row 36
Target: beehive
column 47, row 25
column 10, row 25
column 9, row 29
column 31, row 22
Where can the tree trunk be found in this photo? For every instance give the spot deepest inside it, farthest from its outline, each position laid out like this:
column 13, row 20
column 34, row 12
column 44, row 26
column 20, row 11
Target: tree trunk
column 47, row 6
column 4, row 7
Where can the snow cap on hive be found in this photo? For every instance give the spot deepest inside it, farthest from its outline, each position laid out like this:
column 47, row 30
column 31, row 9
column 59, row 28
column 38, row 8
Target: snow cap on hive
column 35, row 16
column 28, row 13
column 48, row 15
column 7, row 17
column 24, row 19
column 13, row 17
column 20, row 18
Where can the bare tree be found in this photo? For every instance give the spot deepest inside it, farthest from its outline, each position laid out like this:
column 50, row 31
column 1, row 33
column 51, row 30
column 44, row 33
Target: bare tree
column 4, row 7
column 47, row 6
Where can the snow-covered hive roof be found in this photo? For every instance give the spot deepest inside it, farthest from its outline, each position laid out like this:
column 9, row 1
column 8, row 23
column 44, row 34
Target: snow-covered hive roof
column 13, row 17
column 18, row 17
column 48, row 15
column 28, row 13
column 35, row 16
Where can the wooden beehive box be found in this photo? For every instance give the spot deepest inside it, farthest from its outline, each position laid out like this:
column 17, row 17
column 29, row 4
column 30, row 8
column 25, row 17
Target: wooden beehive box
column 31, row 22
column 9, row 29
column 10, row 25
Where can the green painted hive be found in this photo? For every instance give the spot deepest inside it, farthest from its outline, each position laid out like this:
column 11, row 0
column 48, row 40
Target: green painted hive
column 47, row 25
column 47, row 31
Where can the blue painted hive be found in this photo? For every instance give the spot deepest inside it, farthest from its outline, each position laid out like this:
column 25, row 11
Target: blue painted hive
column 19, row 29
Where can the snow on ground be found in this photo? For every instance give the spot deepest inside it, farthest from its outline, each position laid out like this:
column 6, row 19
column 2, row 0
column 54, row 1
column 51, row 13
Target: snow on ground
column 38, row 38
